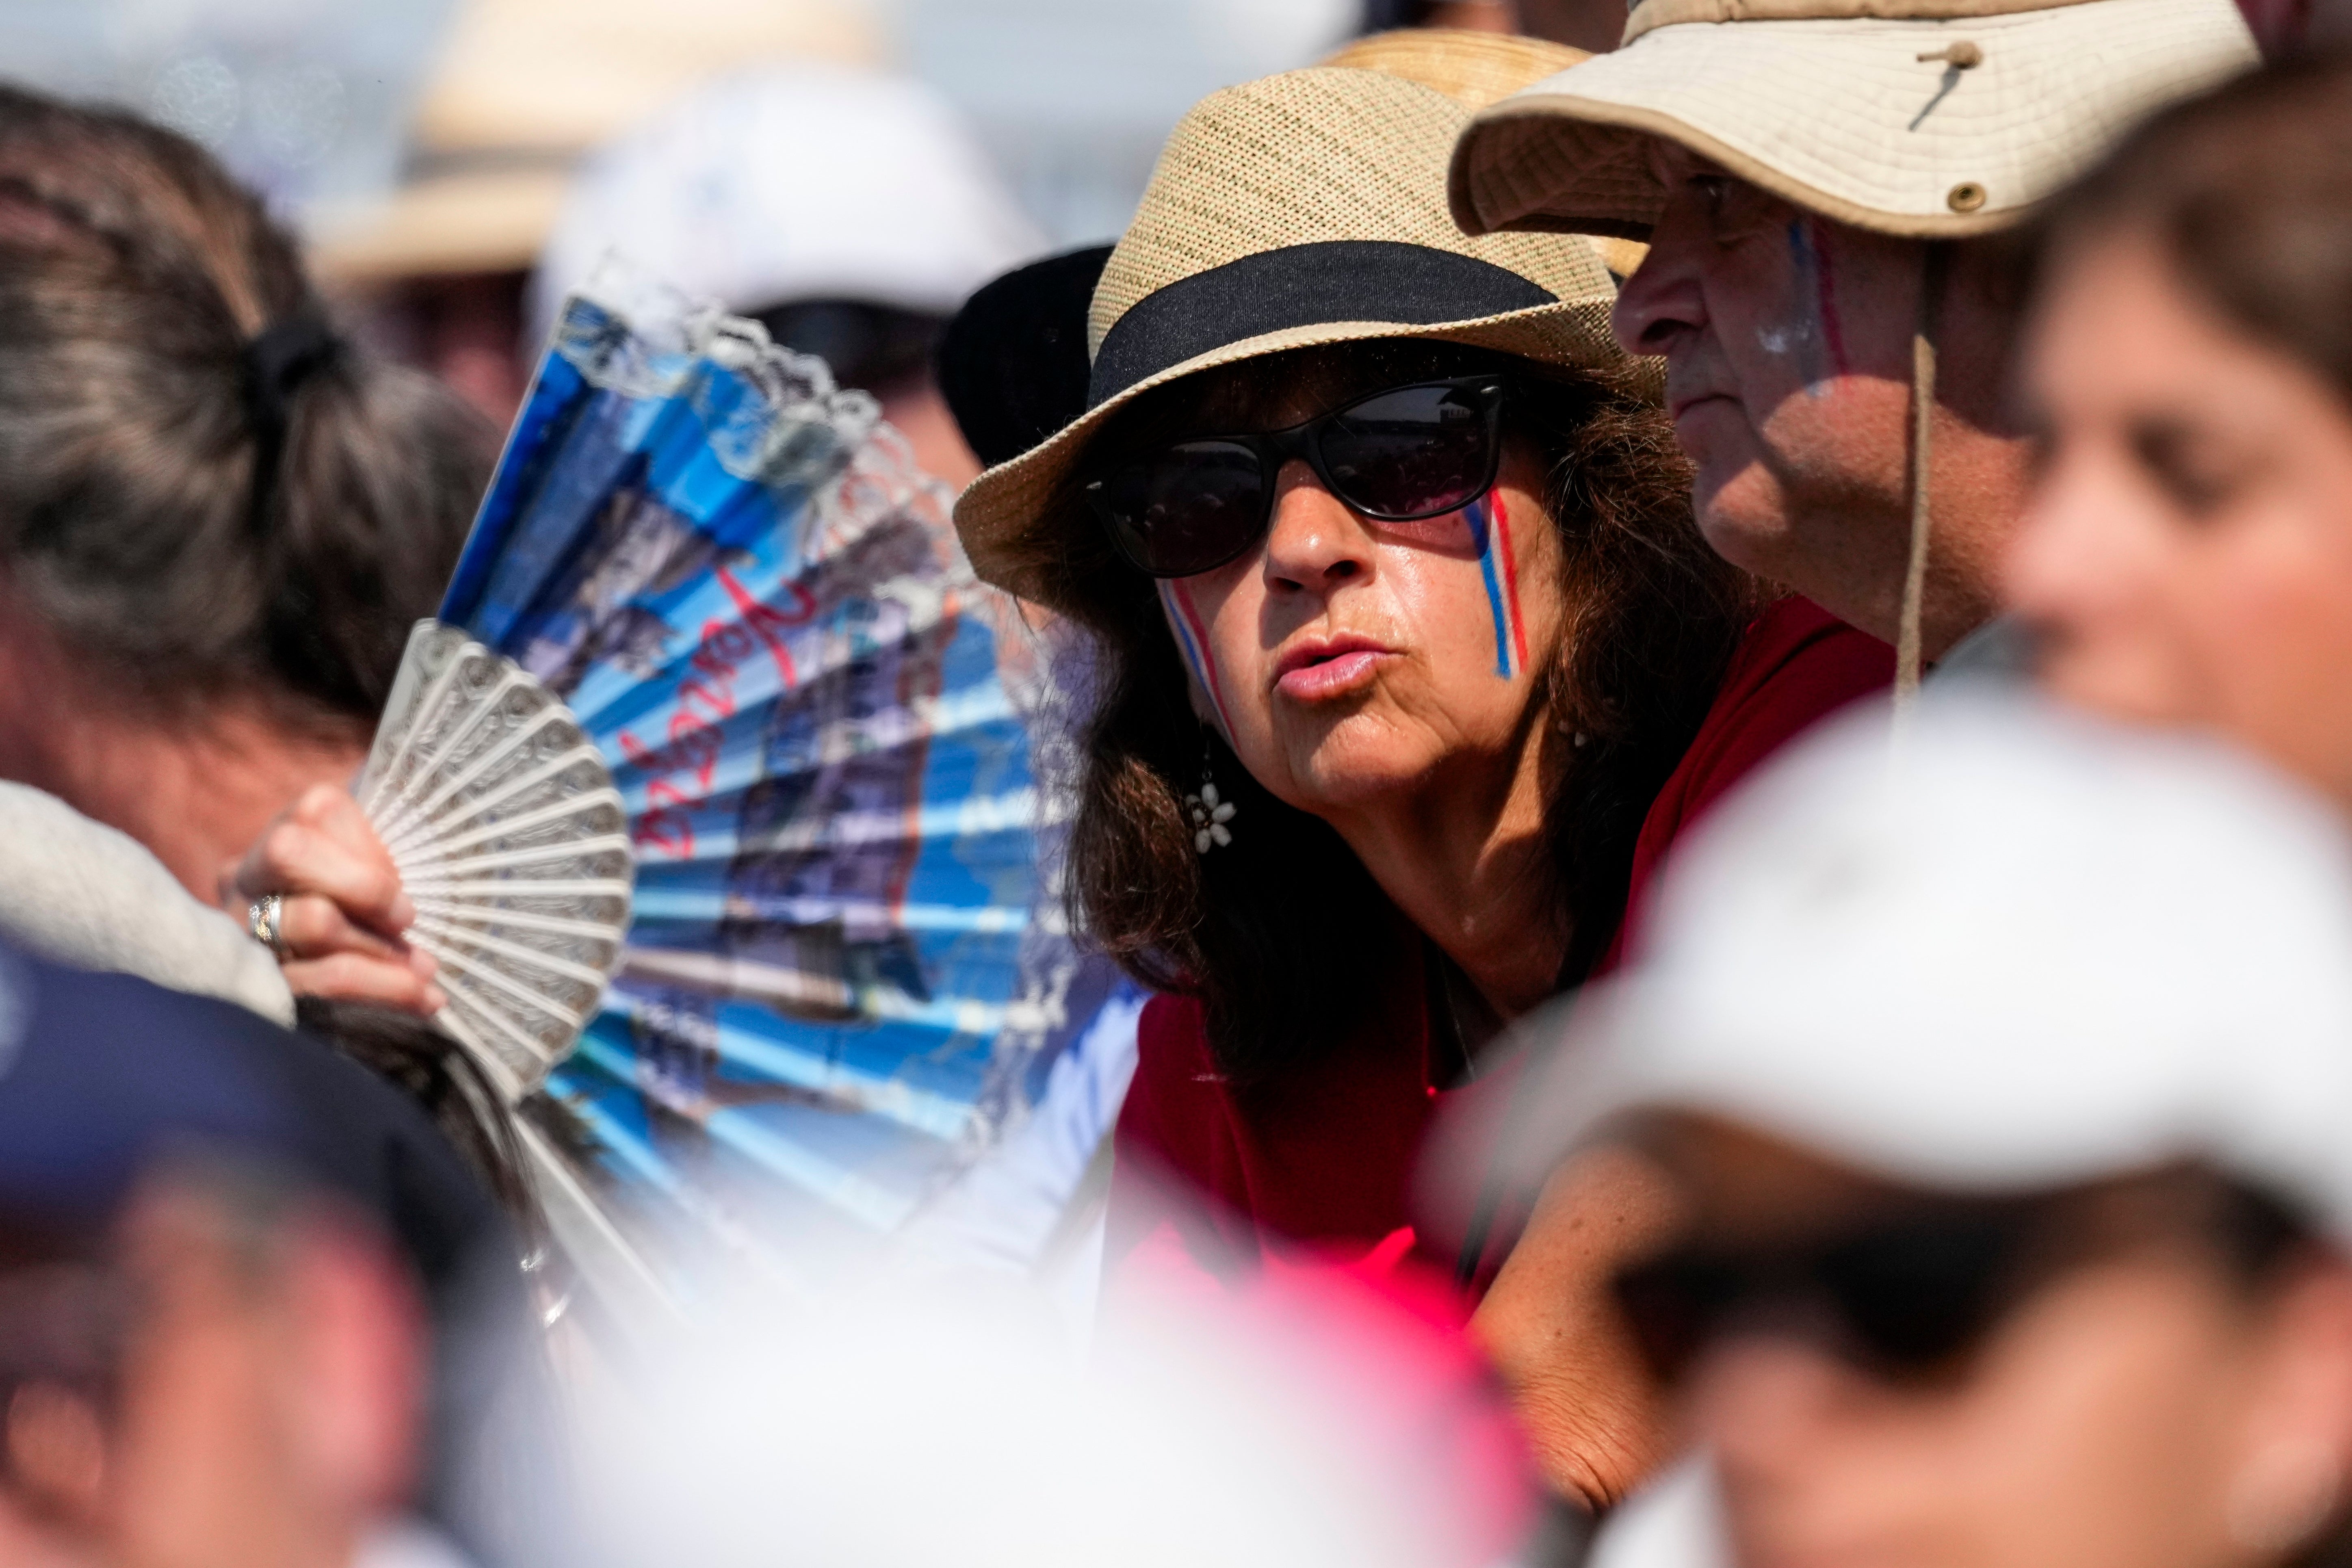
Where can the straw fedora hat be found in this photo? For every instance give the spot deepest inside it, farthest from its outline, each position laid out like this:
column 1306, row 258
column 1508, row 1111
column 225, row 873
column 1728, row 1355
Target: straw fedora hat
column 524, row 89
column 1925, row 119
column 1302, row 209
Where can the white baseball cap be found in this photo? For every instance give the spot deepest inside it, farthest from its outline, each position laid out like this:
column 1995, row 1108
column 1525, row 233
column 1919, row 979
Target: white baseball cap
column 2028, row 951
column 1928, row 119
column 790, row 183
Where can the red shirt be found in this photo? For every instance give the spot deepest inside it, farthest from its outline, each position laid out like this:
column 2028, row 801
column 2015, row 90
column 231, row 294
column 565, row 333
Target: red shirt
column 1326, row 1154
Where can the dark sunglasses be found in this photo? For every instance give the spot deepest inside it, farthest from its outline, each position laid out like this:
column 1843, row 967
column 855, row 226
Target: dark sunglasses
column 1398, row 455
column 1904, row 1300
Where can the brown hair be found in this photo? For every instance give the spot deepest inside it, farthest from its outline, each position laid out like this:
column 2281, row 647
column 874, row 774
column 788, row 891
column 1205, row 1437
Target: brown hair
column 148, row 518
column 2248, row 190
column 1653, row 617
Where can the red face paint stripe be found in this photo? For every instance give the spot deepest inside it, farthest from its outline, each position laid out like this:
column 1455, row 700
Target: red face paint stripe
column 1825, row 287
column 1193, row 638
column 1502, row 516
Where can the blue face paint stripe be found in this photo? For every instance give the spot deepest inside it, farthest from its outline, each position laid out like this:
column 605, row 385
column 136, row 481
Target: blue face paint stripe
column 1809, row 338
column 1484, row 534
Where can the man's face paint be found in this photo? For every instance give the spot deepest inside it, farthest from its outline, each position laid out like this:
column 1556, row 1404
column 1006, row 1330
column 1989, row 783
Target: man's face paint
column 1192, row 639
column 1490, row 523
column 1813, row 327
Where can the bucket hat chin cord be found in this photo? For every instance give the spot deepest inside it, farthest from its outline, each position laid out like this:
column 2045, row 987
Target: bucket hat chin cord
column 1934, row 261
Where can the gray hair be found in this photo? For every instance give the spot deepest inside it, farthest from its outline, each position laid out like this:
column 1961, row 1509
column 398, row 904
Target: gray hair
column 134, row 272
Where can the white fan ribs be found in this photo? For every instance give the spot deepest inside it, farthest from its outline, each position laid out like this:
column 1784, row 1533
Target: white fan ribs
column 501, row 817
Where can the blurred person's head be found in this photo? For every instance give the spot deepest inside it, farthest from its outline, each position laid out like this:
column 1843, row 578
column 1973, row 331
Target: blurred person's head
column 1012, row 362
column 1591, row 24
column 1311, row 1421
column 2188, row 559
column 1816, row 185
column 520, row 91
column 217, row 520
column 2000, row 1087
column 234, row 1370
column 848, row 211
column 252, row 1310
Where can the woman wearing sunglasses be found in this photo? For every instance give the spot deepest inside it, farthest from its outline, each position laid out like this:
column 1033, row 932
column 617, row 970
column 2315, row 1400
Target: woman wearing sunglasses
column 2011, row 1156
column 1401, row 624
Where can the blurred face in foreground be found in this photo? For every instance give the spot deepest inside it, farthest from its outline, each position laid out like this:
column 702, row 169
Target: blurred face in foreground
column 2150, row 1373
column 2188, row 557
column 228, row 1386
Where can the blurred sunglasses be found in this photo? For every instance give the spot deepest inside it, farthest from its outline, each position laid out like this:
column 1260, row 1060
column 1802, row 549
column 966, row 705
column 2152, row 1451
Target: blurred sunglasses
column 1403, row 455
column 1905, row 1302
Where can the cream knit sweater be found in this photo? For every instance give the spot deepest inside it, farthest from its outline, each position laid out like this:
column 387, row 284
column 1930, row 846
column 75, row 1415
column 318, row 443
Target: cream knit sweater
column 80, row 893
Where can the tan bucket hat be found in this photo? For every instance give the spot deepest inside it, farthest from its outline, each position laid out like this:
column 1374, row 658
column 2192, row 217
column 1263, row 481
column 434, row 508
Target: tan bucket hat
column 1928, row 119
column 1301, row 209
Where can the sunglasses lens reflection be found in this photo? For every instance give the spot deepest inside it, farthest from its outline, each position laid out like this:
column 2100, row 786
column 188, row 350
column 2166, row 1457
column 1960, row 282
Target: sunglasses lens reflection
column 1187, row 509
column 1414, row 452
column 1408, row 453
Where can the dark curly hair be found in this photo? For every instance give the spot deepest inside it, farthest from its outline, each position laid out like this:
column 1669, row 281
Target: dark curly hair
column 1653, row 616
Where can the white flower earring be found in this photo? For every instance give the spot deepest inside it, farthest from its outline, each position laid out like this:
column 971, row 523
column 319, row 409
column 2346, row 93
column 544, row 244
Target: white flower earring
column 1208, row 811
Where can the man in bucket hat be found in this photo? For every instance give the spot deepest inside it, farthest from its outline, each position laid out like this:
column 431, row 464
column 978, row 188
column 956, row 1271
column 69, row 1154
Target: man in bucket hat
column 1816, row 178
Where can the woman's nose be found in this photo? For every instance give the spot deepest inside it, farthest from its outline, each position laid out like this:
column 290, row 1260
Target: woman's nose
column 1314, row 543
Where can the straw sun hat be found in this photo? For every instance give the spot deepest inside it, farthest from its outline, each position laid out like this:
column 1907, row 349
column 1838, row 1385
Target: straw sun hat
column 524, row 89
column 1927, row 119
column 1303, row 209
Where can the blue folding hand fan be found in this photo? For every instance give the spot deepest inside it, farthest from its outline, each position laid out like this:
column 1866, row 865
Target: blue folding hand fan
column 715, row 708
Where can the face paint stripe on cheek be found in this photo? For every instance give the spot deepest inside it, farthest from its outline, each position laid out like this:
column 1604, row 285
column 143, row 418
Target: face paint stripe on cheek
column 1825, row 287
column 1193, row 641
column 1491, row 521
column 1807, row 336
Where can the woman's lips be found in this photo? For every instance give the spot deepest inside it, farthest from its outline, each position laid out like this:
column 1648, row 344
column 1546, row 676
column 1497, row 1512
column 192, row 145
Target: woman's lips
column 1318, row 671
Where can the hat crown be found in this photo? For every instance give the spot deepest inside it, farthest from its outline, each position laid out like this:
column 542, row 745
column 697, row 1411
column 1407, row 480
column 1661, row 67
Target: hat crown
column 1314, row 156
column 1643, row 15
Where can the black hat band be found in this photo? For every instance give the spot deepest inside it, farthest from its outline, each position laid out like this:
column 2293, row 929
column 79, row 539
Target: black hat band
column 1302, row 286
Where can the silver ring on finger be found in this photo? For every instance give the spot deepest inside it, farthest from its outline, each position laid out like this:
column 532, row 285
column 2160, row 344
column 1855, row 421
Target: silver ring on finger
column 262, row 919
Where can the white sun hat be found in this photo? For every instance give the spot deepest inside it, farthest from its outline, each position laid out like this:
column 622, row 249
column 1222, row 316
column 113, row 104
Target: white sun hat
column 2027, row 951
column 796, row 182
column 1929, row 118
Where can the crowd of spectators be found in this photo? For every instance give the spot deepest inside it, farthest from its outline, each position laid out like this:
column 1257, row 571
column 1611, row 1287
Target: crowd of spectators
column 1706, row 682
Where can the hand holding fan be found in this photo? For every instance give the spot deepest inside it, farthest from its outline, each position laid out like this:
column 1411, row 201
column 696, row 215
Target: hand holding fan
column 715, row 708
